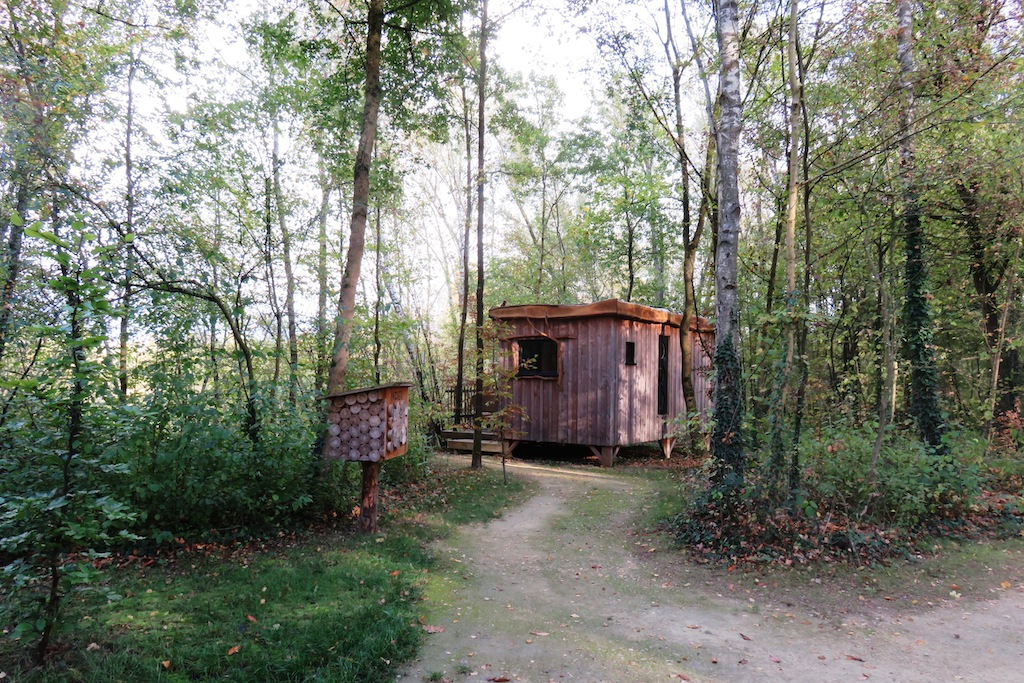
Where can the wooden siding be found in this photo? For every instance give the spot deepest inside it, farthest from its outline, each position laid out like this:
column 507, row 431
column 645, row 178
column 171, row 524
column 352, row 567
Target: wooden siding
column 637, row 413
column 702, row 370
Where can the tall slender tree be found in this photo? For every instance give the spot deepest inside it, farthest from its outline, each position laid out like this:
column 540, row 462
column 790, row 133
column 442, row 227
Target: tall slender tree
column 727, row 436
column 922, row 397
column 481, row 129
column 360, row 198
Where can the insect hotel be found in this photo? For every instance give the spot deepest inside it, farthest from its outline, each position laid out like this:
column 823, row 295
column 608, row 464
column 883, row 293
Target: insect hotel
column 369, row 426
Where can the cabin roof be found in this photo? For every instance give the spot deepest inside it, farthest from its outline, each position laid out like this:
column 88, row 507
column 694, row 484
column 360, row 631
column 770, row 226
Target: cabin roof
column 609, row 308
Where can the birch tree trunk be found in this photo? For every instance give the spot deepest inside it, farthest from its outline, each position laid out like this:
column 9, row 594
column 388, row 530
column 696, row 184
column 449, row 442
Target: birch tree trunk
column 727, row 439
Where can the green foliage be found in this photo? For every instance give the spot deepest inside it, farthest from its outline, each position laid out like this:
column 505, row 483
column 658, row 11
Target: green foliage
column 740, row 524
column 193, row 469
column 51, row 507
column 844, row 511
column 914, row 486
column 727, row 443
column 331, row 607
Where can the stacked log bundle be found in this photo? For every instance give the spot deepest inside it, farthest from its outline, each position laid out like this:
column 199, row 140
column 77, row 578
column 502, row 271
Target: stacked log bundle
column 368, row 425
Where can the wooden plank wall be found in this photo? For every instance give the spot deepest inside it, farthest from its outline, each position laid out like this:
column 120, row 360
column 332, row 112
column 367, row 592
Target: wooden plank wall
column 597, row 400
column 579, row 407
column 638, row 418
column 702, row 372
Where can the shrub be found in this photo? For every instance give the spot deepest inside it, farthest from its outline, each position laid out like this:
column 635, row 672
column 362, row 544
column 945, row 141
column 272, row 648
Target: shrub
column 912, row 486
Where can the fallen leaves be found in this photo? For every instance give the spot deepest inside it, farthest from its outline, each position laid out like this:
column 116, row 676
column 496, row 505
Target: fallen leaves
column 234, row 650
column 433, row 629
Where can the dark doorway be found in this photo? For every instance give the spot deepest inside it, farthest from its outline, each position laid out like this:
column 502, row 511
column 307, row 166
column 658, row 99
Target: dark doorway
column 662, row 375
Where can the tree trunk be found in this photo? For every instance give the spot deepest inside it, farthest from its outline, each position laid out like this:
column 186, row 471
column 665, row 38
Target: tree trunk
column 378, row 295
column 369, row 515
column 879, row 275
column 129, row 227
column 727, row 438
column 268, row 261
column 781, row 407
column 12, row 261
column 322, row 332
column 923, row 396
column 480, row 182
column 630, row 260
column 289, row 274
column 360, row 201
column 689, row 272
column 460, row 376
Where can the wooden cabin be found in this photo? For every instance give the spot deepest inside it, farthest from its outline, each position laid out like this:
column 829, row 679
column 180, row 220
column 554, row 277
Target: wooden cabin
column 602, row 375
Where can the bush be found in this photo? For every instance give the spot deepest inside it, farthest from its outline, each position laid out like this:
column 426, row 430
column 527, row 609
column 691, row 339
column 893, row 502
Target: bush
column 913, row 486
column 194, row 468
column 842, row 512
column 739, row 524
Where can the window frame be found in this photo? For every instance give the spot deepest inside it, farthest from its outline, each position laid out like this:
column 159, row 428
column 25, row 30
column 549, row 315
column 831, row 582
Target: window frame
column 543, row 369
column 630, row 353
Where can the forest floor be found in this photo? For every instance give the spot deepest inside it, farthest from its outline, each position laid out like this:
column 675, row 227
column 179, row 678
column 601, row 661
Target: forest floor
column 573, row 586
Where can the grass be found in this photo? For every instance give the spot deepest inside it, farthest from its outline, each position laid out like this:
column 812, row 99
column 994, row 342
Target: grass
column 332, row 607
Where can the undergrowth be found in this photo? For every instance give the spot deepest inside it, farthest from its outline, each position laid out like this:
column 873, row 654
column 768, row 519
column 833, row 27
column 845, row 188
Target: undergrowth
column 325, row 604
column 847, row 513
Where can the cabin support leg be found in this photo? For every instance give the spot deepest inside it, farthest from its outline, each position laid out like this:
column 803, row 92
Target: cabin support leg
column 667, row 444
column 606, row 454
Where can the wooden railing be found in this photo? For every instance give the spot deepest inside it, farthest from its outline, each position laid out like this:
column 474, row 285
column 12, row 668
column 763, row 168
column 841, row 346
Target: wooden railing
column 465, row 412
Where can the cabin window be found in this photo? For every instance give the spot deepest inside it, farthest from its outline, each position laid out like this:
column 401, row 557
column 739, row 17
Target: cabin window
column 538, row 358
column 630, row 353
column 662, row 375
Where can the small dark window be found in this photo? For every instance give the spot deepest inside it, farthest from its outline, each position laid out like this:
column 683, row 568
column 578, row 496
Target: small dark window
column 538, row 358
column 630, row 353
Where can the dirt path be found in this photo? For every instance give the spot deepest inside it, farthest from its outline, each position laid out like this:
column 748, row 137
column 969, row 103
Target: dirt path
column 565, row 589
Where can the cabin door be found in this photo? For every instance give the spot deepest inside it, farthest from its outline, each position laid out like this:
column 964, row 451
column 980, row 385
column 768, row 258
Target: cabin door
column 662, row 375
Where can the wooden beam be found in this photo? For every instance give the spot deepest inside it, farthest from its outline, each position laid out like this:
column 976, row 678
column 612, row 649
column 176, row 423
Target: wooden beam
column 606, row 454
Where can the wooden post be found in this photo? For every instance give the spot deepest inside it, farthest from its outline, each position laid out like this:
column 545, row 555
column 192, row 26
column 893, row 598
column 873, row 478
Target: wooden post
column 606, row 454
column 368, row 516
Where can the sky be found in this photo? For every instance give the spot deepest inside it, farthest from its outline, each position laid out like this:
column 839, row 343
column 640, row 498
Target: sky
column 547, row 43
